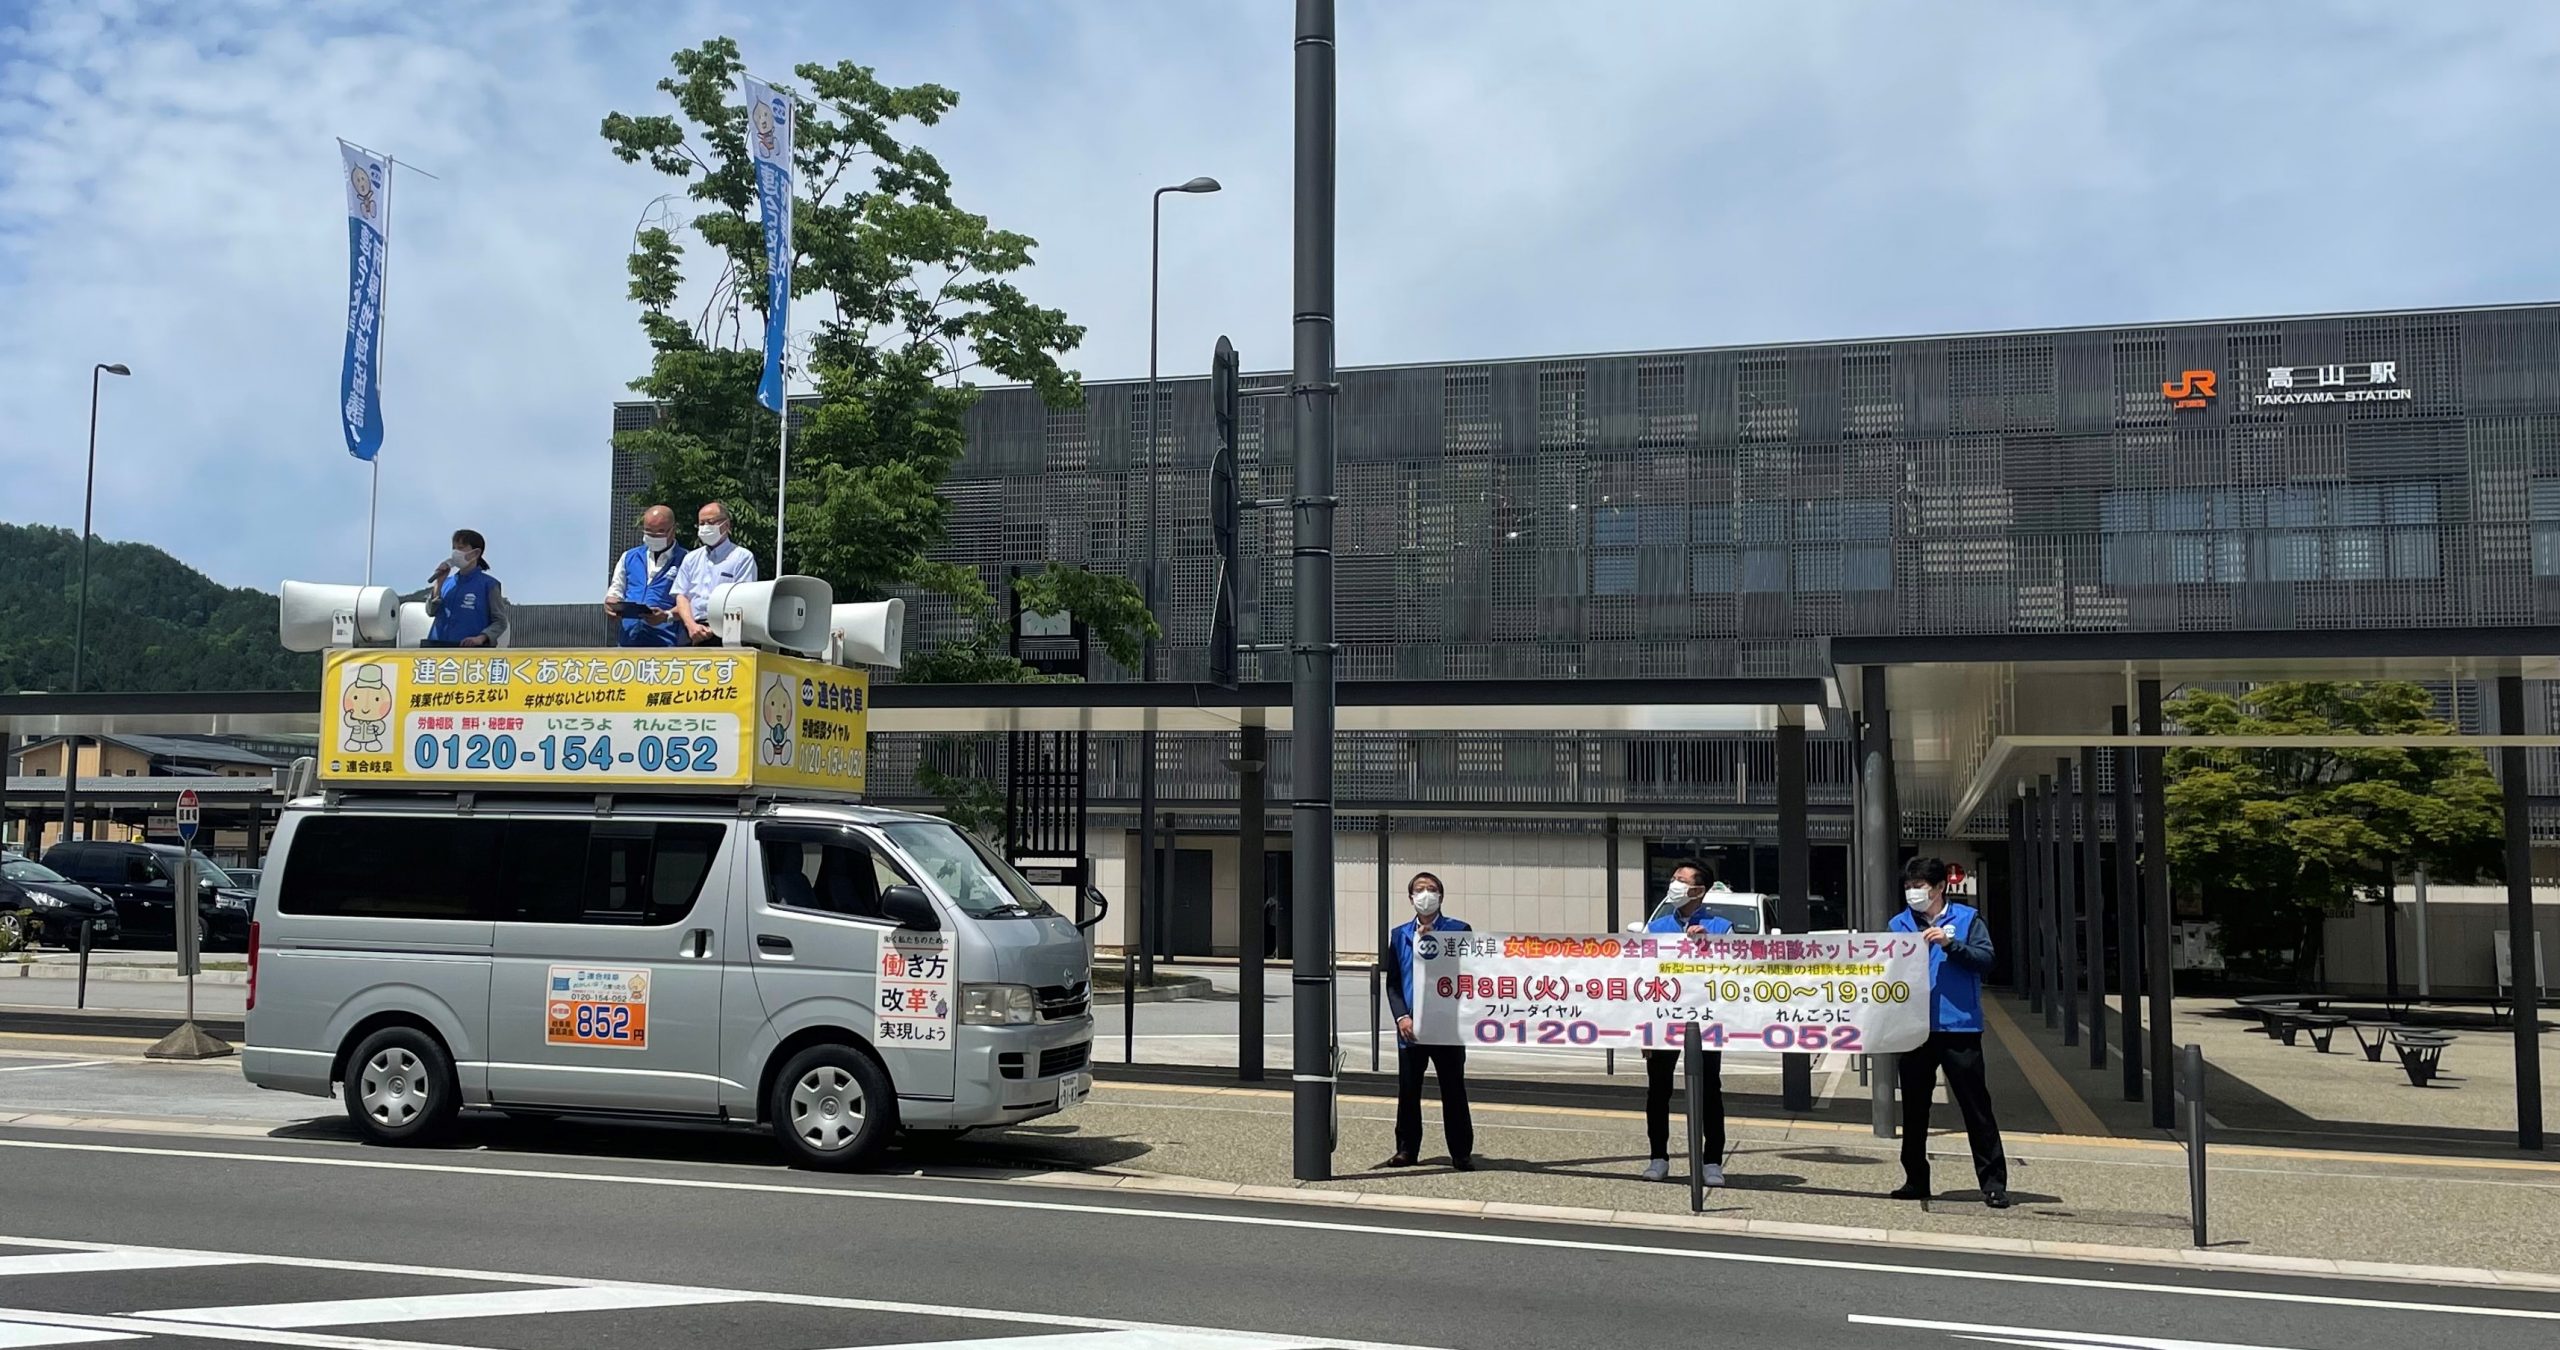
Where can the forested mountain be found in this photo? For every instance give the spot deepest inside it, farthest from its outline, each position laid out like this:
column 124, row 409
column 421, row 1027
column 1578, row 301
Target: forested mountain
column 154, row 622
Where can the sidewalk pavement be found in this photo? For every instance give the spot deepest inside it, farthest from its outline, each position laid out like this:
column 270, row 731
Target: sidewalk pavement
column 2076, row 1195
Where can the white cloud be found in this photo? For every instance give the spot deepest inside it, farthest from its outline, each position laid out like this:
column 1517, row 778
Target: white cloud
column 1516, row 178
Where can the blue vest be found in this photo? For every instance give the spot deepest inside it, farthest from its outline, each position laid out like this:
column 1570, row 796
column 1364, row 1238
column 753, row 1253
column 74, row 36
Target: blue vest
column 1955, row 993
column 654, row 587
column 462, row 607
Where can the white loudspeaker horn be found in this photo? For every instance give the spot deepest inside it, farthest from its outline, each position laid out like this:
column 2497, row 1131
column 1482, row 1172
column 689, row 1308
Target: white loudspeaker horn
column 415, row 623
column 868, row 635
column 785, row 614
column 315, row 616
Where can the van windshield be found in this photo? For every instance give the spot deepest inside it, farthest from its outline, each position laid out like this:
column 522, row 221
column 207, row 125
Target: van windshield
column 973, row 876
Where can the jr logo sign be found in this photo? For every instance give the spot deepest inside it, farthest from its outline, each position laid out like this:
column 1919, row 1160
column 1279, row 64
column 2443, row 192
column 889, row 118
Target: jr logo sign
column 2192, row 389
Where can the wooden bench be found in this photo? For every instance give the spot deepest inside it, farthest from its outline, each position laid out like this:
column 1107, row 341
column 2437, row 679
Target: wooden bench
column 2421, row 1052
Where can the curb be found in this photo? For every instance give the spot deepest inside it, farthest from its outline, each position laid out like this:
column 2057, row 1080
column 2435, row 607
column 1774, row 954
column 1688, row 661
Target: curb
column 98, row 974
column 1158, row 1183
column 1190, row 986
column 119, row 1023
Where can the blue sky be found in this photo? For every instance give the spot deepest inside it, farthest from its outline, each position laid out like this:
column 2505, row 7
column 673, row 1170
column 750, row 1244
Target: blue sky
column 1516, row 178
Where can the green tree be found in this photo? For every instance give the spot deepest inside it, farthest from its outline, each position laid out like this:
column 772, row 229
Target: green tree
column 910, row 294
column 154, row 622
column 2274, row 840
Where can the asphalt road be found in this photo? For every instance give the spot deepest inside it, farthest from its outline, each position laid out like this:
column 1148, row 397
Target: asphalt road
column 642, row 1241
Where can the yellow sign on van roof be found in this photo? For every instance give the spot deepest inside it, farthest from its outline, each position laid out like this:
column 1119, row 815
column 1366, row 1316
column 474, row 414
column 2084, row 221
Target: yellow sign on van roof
column 624, row 718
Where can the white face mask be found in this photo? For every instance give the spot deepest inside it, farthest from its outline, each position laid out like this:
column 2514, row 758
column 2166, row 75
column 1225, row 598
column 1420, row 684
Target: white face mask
column 1426, row 903
column 658, row 543
column 1917, row 897
column 1677, row 892
column 461, row 558
column 711, row 535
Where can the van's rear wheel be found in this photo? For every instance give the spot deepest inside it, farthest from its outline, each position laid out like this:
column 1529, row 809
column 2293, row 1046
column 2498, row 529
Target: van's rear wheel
column 400, row 1087
column 833, row 1108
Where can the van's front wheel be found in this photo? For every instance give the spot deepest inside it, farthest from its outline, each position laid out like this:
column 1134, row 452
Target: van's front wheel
column 833, row 1108
column 400, row 1087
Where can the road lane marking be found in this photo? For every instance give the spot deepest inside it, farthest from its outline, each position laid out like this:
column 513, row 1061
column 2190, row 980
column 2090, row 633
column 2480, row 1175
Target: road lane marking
column 85, row 1262
column 128, row 1328
column 358, row 1312
column 157, row 1323
column 1900, row 1269
column 1107, row 1340
column 2052, row 1340
column 27, row 1335
column 77, row 1064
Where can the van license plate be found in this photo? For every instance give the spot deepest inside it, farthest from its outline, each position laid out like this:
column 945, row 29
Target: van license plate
column 1073, row 1089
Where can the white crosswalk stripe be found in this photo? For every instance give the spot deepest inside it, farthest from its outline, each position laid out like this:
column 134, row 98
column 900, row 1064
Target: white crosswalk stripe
column 28, row 1335
column 356, row 1312
column 320, row 1323
column 78, row 1263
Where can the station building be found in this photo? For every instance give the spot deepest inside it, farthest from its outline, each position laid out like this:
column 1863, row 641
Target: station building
column 1728, row 512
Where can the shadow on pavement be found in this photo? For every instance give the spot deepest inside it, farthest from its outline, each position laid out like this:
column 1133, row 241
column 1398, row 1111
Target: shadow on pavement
column 1025, row 1150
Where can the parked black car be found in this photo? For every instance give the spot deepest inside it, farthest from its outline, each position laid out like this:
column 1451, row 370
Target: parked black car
column 57, row 905
column 141, row 880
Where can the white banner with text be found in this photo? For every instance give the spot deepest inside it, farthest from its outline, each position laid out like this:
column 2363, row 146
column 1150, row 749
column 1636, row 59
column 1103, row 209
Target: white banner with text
column 1857, row 993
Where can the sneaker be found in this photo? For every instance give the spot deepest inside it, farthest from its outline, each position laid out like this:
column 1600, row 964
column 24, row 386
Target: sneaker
column 1658, row 1170
column 1714, row 1175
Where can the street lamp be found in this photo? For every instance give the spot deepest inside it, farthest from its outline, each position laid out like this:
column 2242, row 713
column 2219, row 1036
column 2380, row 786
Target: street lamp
column 1149, row 898
column 80, row 611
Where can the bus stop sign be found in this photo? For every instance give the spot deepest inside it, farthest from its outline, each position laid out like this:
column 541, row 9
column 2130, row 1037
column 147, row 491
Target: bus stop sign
column 190, row 812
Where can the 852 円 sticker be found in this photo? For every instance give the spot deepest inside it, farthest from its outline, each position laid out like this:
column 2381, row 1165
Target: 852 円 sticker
column 593, row 1006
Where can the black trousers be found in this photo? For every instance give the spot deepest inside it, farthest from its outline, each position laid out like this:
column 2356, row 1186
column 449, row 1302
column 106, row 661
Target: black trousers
column 1659, row 1065
column 1460, row 1123
column 1960, row 1054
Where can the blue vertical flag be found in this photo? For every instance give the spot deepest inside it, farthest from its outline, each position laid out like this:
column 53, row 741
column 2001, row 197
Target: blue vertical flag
column 368, row 180
column 769, row 146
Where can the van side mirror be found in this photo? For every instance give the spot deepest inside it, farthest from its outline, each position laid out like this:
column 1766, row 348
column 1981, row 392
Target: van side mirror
column 1099, row 904
column 909, row 907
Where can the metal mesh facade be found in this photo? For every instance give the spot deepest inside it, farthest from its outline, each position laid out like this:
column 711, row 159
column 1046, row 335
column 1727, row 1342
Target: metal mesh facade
column 1723, row 511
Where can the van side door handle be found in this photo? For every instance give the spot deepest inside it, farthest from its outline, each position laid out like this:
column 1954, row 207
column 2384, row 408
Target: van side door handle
column 698, row 943
column 773, row 942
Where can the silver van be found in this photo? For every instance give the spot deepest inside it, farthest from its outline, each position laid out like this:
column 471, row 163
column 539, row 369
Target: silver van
column 833, row 971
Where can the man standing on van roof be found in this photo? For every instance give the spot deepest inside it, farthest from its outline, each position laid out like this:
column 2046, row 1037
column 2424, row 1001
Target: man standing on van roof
column 720, row 561
column 463, row 599
column 640, row 596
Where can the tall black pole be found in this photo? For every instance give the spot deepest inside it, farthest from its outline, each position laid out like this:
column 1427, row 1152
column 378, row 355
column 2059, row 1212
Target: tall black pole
column 80, row 611
column 2017, row 947
column 1253, row 890
column 2049, row 913
column 1150, row 899
column 1609, row 863
column 1311, row 658
column 2524, row 976
column 2066, row 907
column 2155, row 908
column 2093, row 903
column 1795, row 902
column 1878, row 842
column 2128, row 917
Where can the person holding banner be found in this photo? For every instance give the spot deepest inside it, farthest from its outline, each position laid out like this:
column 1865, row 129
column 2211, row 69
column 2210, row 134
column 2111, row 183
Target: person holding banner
column 1688, row 914
column 1413, row 1057
column 1959, row 956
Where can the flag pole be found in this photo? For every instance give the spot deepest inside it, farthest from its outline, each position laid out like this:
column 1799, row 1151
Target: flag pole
column 782, row 473
column 382, row 282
